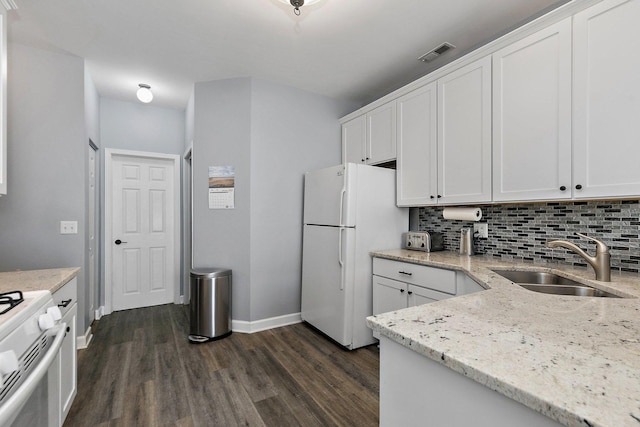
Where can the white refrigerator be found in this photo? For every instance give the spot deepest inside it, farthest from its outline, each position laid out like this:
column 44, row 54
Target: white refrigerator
column 349, row 210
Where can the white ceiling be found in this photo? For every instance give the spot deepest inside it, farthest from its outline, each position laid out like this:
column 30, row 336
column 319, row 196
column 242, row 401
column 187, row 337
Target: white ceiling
column 352, row 49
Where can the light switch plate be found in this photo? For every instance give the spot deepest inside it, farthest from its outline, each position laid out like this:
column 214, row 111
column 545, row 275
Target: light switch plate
column 68, row 227
column 482, row 228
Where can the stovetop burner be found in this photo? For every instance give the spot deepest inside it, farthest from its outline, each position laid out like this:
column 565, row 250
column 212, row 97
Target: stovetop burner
column 9, row 300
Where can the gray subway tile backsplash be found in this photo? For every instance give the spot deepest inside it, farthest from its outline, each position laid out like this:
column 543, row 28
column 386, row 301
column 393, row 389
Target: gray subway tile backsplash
column 518, row 232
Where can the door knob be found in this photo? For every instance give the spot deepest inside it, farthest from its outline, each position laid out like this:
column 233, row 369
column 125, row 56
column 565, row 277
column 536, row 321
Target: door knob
column 118, row 241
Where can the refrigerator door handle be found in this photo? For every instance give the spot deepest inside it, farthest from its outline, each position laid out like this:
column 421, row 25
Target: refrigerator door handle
column 340, row 261
column 342, row 193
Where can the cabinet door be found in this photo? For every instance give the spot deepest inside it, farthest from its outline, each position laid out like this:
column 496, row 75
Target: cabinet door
column 464, row 134
column 354, row 140
column 606, row 143
column 381, row 134
column 388, row 295
column 417, row 150
column 532, row 117
column 68, row 363
column 419, row 295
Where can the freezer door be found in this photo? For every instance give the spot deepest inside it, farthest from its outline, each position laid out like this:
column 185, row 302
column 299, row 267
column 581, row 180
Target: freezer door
column 328, row 198
column 327, row 291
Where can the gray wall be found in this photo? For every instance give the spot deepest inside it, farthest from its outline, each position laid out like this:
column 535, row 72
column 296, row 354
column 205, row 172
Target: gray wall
column 46, row 164
column 222, row 136
column 141, row 127
column 272, row 134
column 292, row 132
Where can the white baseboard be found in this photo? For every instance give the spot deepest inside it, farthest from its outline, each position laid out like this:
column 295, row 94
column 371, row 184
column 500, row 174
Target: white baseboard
column 99, row 313
column 245, row 327
column 84, row 340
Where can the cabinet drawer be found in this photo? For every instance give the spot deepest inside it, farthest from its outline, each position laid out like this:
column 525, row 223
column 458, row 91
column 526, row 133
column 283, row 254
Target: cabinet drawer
column 67, row 296
column 429, row 277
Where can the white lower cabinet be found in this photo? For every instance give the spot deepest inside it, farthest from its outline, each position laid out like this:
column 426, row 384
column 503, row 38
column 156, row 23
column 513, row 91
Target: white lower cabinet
column 418, row 391
column 66, row 298
column 398, row 285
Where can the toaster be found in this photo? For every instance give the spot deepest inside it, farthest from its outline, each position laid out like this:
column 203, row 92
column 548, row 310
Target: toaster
column 423, row 241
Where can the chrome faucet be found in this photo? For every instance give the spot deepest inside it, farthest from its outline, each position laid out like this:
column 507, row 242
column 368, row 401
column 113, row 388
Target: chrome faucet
column 601, row 263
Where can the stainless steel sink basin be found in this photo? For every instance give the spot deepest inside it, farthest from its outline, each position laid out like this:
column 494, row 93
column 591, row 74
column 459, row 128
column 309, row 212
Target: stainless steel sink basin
column 549, row 283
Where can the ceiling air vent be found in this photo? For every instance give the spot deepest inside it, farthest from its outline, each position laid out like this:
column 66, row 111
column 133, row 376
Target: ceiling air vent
column 434, row 53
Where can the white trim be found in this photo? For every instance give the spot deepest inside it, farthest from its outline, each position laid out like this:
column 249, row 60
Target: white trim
column 84, row 340
column 109, row 153
column 99, row 312
column 245, row 327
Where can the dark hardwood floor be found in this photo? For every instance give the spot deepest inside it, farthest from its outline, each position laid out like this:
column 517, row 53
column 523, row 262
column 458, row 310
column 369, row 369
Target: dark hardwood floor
column 140, row 370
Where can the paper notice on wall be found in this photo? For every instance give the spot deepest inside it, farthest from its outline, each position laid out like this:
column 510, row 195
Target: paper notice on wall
column 222, row 187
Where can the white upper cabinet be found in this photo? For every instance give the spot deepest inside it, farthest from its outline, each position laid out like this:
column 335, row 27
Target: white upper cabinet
column 381, row 134
column 354, row 136
column 3, row 101
column 532, row 117
column 371, row 137
column 606, row 111
column 464, row 134
column 417, row 151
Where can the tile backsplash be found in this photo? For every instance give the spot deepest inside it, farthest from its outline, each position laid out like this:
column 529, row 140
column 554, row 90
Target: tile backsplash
column 518, row 232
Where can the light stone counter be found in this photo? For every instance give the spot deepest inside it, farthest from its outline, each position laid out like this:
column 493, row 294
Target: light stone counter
column 36, row 280
column 574, row 359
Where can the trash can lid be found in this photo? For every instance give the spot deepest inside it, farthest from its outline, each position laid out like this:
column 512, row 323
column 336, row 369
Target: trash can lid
column 210, row 272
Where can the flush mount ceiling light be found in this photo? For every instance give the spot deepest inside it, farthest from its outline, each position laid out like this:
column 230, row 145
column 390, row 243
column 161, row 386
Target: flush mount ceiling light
column 144, row 93
column 297, row 4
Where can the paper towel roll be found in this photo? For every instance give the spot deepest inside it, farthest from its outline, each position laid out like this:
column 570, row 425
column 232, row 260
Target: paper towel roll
column 464, row 214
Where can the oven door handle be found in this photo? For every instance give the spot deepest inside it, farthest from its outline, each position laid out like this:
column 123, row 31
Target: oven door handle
column 12, row 406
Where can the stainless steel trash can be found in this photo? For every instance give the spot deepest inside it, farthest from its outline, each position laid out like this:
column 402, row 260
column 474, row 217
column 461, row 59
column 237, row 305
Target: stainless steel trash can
column 210, row 308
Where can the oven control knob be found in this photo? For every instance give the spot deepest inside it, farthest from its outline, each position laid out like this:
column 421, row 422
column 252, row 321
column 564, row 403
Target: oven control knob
column 55, row 313
column 8, row 364
column 46, row 322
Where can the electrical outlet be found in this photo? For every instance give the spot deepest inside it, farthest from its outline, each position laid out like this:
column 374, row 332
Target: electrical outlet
column 482, row 228
column 68, row 227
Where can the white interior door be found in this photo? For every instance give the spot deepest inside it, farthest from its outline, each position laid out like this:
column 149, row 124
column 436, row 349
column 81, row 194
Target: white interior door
column 144, row 227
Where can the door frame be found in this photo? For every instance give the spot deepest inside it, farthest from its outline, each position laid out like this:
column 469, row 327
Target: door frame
column 94, row 282
column 187, row 263
column 108, row 206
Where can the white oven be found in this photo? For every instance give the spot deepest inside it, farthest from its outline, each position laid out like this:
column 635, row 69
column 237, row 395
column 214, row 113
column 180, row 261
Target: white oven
column 30, row 341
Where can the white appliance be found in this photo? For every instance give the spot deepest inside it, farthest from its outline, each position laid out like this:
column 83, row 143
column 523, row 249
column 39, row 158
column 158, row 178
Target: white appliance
column 31, row 335
column 349, row 210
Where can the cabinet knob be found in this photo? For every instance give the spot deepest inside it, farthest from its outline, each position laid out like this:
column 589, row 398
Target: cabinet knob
column 402, row 291
column 578, row 187
column 431, row 197
column 562, row 188
column 362, row 160
column 439, row 196
column 410, row 292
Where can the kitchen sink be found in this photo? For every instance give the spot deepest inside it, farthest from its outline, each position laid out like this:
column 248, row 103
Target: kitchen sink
column 549, row 283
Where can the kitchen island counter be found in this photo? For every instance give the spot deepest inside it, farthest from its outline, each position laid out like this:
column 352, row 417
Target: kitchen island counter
column 573, row 359
column 36, row 280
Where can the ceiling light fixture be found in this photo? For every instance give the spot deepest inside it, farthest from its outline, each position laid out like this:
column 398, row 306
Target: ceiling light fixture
column 297, row 4
column 144, row 93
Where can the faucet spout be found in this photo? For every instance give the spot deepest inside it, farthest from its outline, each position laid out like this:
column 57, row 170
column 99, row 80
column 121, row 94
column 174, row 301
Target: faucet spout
column 601, row 263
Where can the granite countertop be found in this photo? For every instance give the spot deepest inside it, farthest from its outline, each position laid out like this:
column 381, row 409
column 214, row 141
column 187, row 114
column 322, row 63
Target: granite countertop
column 574, row 359
column 36, row 280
